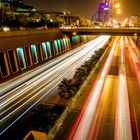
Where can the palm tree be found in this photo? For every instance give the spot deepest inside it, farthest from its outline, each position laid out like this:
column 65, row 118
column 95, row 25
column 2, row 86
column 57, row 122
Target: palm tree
column 68, row 88
column 65, row 89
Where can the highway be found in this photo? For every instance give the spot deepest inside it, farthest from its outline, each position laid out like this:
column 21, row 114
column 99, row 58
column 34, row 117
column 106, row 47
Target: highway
column 112, row 109
column 20, row 94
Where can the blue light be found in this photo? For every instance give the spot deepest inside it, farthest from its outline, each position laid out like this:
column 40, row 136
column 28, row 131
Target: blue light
column 48, row 49
column 21, row 58
column 44, row 50
column 34, row 53
column 56, row 47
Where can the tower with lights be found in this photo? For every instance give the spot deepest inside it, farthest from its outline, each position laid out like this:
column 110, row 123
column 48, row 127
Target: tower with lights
column 104, row 12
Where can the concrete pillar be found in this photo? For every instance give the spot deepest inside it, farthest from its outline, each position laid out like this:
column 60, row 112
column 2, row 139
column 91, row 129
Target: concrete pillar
column 28, row 57
column 53, row 49
column 39, row 52
column 4, row 65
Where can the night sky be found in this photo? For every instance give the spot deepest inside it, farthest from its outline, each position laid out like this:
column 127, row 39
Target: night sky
column 83, row 7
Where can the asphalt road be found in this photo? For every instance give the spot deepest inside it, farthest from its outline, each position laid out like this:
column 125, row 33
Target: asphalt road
column 112, row 109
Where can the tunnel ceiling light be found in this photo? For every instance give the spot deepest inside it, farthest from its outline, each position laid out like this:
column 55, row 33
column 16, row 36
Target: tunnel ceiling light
column 74, row 33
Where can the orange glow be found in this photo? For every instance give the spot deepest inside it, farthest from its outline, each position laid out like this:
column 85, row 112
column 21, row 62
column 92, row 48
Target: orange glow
column 74, row 33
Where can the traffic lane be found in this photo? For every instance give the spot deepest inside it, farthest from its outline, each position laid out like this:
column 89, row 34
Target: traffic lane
column 123, row 129
column 115, row 61
column 135, row 58
column 14, row 83
column 104, row 124
column 133, row 90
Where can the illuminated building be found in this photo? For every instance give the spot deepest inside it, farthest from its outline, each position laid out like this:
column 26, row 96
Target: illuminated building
column 16, row 5
column 104, row 12
column 134, row 21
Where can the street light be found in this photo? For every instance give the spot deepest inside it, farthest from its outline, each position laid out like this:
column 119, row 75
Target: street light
column 118, row 11
column 125, row 22
column 117, row 5
column 114, row 21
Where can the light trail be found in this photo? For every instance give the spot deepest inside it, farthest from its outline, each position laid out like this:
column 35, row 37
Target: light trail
column 38, row 72
column 135, row 58
column 14, row 84
column 82, row 54
column 136, row 123
column 82, row 126
column 123, row 130
column 136, row 66
column 35, row 81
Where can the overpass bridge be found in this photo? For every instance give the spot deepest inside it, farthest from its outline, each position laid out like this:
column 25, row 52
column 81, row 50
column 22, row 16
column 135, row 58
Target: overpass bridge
column 100, row 31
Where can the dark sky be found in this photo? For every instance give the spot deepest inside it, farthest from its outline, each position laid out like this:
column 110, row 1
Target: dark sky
column 84, row 7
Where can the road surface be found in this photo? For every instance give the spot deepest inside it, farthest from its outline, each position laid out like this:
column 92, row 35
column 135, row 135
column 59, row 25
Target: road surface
column 112, row 109
column 19, row 95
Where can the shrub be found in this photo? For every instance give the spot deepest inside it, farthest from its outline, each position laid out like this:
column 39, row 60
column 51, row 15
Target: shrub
column 68, row 88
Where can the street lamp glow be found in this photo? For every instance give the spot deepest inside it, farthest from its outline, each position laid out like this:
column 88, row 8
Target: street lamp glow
column 119, row 11
column 6, row 29
column 117, row 5
column 114, row 21
column 126, row 20
column 74, row 33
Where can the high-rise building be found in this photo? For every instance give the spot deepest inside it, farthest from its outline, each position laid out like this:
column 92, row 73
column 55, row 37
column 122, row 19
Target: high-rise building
column 16, row 5
column 104, row 12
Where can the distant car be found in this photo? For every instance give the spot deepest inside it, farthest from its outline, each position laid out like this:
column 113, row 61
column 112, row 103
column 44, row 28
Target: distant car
column 5, row 29
column 97, row 27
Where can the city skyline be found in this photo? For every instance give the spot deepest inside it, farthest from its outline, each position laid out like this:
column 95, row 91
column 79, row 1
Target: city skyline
column 86, row 8
column 69, row 70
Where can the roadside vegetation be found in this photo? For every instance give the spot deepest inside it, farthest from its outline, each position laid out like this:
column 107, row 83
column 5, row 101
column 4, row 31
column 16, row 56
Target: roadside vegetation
column 69, row 87
column 45, row 117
